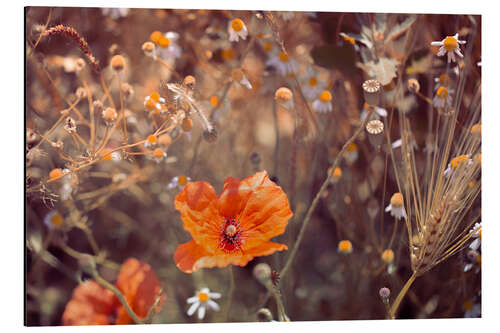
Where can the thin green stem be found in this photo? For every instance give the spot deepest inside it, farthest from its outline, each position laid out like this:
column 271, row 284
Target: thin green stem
column 230, row 293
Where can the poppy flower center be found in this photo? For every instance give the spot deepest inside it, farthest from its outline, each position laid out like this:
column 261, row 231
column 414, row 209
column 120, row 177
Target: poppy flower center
column 230, row 236
column 450, row 43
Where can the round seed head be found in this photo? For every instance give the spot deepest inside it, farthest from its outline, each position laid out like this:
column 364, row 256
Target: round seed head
column 397, row 200
column 165, row 140
column 283, row 95
column 109, row 115
column 158, row 153
column 375, row 129
column 413, row 85
column 345, row 246
column 187, row 124
column 371, row 90
column 189, row 81
column 98, row 106
column 476, row 131
column 117, row 63
column 148, row 48
column 388, row 256
column 262, row 272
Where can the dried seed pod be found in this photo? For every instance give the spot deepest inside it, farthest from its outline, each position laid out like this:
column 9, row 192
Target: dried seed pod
column 70, row 125
column 284, row 96
column 375, row 129
column 371, row 90
column 413, row 85
column 117, row 63
column 210, row 135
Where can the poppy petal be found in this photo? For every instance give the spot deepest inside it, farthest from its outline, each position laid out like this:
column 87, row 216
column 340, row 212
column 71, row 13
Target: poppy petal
column 236, row 193
column 265, row 216
column 197, row 203
column 190, row 257
column 91, row 304
column 140, row 286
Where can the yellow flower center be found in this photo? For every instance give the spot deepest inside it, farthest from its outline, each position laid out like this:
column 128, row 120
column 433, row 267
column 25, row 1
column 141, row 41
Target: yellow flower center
column 164, row 42
column 55, row 173
column 444, row 79
column 155, row 97
column 227, row 54
column 345, row 246
column 214, row 100
column 151, row 139
column 349, row 39
column 203, row 297
column 106, row 154
column 352, row 147
column 237, row 24
column 468, row 305
column 325, row 96
column 268, row 46
column 284, row 57
column 397, row 200
column 182, row 180
column 158, row 153
column 155, row 36
column 313, row 81
column 457, row 161
column 450, row 43
column 56, row 219
column 442, row 92
column 337, row 173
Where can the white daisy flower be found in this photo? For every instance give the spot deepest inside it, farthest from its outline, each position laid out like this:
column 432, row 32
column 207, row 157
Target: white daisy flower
column 476, row 243
column 53, row 219
column 239, row 77
column 151, row 141
column 451, row 46
column 201, row 301
column 237, row 29
column 159, row 155
column 178, row 182
column 442, row 80
column 324, row 102
column 396, row 207
column 312, row 87
column 154, row 103
column 456, row 162
column 443, row 98
column 166, row 46
column 378, row 112
column 351, row 154
column 284, row 64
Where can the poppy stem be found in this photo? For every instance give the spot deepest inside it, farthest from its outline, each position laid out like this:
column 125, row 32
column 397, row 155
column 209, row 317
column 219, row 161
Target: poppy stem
column 316, row 199
column 231, row 292
column 118, row 294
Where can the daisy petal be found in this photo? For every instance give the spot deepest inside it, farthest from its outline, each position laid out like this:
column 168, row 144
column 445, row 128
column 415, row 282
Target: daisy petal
column 214, row 306
column 193, row 308
column 201, row 311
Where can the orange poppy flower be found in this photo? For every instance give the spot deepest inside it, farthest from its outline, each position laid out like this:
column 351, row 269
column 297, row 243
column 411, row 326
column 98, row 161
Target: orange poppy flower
column 235, row 226
column 92, row 304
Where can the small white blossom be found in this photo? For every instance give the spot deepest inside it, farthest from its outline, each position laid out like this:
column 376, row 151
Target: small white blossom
column 178, row 182
column 284, row 64
column 451, row 46
column 53, row 219
column 378, row 112
column 201, row 301
column 237, row 29
column 324, row 102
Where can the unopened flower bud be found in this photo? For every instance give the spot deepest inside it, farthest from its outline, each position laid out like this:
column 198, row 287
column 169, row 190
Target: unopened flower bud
column 384, row 293
column 262, row 272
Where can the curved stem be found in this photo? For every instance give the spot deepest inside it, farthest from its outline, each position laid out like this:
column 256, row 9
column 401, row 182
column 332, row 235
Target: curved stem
column 401, row 295
column 231, row 292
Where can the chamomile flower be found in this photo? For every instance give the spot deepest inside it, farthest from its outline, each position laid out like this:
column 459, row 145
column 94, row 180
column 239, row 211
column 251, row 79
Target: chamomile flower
column 201, row 301
column 476, row 243
column 456, row 162
column 107, row 155
column 284, row 97
column 345, row 246
column 396, row 207
column 178, row 182
column 151, row 141
column 53, row 219
column 154, row 103
column 443, row 98
column 166, row 46
column 284, row 64
column 337, row 173
column 351, row 154
column 159, row 155
column 377, row 112
column 451, row 46
column 442, row 80
column 313, row 87
column 237, row 29
column 239, row 78
column 323, row 103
